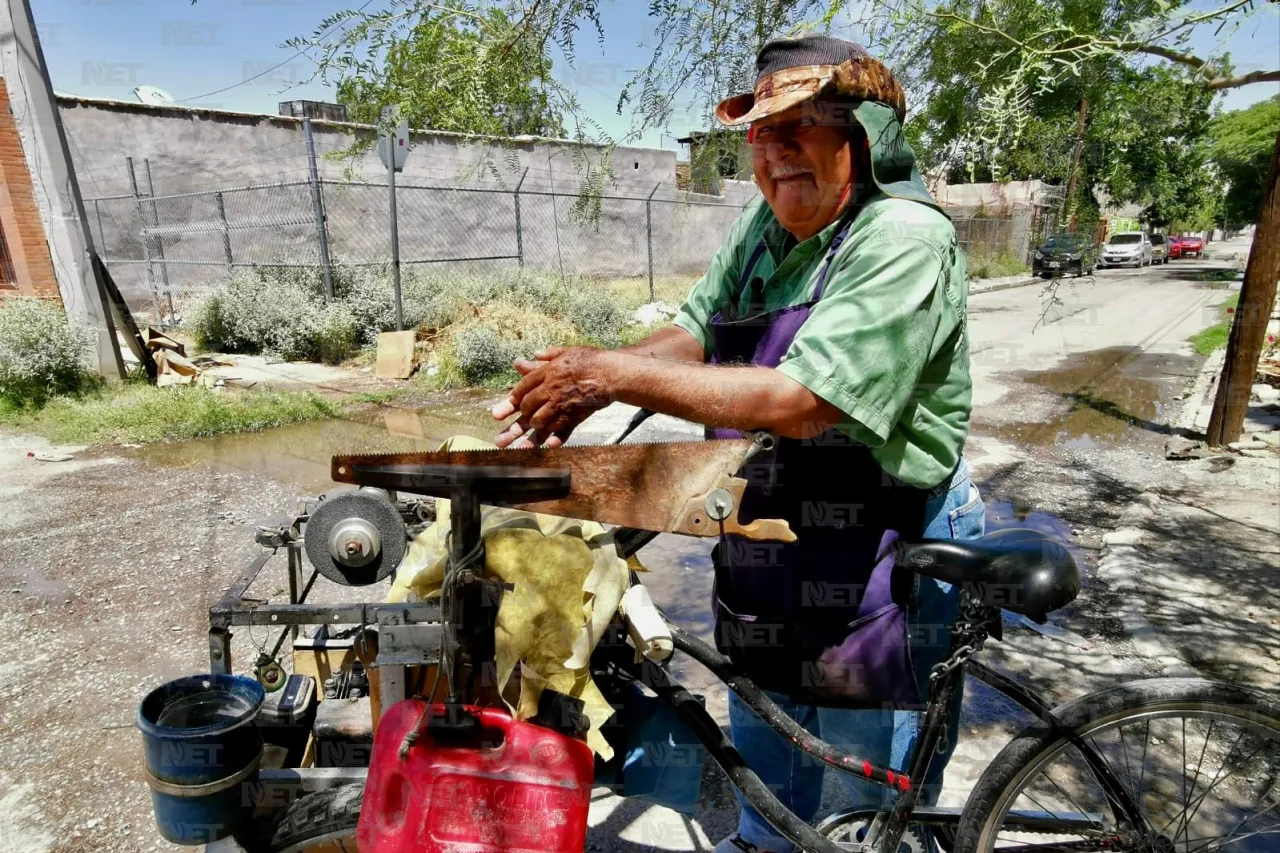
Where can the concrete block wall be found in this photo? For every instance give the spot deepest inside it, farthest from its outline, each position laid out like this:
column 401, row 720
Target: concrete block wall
column 21, row 225
column 455, row 198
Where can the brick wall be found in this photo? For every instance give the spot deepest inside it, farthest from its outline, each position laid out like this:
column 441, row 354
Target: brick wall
column 20, row 222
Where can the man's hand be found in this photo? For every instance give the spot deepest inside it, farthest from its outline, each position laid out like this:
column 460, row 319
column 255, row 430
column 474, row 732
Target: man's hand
column 561, row 387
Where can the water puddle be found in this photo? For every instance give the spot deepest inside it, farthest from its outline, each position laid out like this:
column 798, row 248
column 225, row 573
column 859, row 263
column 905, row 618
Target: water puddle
column 299, row 454
column 1098, row 399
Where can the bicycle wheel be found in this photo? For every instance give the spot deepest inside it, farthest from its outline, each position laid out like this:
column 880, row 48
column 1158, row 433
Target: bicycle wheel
column 319, row 822
column 1196, row 761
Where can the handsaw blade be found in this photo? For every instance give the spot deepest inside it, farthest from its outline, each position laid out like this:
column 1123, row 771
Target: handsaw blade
column 634, row 485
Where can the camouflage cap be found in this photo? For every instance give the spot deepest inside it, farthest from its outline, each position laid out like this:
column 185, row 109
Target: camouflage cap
column 790, row 71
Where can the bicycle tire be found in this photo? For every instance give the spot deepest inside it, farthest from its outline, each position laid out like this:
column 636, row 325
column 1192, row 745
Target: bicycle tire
column 1001, row 782
column 322, row 820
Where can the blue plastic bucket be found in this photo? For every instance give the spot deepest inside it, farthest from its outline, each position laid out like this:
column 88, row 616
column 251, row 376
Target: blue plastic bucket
column 201, row 742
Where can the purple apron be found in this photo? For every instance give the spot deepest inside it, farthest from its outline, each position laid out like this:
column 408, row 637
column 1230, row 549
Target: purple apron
column 823, row 619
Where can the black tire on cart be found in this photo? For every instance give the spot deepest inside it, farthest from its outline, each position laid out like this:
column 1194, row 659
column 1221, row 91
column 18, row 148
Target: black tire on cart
column 319, row 821
column 1166, row 706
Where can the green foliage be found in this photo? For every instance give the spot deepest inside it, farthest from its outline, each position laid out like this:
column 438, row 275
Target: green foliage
column 1241, row 146
column 995, row 265
column 278, row 313
column 596, row 314
column 462, row 71
column 138, row 414
column 1215, row 337
column 480, row 353
column 1005, row 80
column 42, row 354
column 481, row 320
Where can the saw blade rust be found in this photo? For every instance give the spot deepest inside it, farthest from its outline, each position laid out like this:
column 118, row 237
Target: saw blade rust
column 634, row 485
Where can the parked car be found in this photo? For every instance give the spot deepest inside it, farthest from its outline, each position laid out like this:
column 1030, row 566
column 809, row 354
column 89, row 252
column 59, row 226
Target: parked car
column 1174, row 245
column 1065, row 253
column 1191, row 246
column 1159, row 248
column 1126, row 249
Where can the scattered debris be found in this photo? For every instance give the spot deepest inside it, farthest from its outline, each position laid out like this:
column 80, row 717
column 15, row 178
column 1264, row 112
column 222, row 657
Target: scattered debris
column 1185, row 448
column 395, row 355
column 49, row 456
column 653, row 312
column 1056, row 632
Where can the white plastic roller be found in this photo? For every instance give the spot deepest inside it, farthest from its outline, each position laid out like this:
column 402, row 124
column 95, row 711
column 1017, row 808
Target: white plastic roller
column 645, row 624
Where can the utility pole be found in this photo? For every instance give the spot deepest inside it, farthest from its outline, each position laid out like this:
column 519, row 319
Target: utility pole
column 1069, row 208
column 57, row 193
column 1249, row 331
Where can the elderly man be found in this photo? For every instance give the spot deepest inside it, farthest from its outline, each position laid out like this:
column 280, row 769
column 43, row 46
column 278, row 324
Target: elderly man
column 833, row 316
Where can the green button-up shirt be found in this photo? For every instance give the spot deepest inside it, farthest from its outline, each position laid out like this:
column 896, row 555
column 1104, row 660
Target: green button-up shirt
column 886, row 344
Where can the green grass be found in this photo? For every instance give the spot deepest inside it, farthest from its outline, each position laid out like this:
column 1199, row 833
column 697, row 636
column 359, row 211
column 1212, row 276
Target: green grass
column 995, row 265
column 377, row 398
column 138, row 414
column 1215, row 337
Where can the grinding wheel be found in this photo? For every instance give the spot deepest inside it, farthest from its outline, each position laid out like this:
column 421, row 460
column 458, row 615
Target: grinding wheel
column 356, row 538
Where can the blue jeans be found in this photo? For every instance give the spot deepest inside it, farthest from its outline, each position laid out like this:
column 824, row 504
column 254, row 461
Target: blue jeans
column 885, row 737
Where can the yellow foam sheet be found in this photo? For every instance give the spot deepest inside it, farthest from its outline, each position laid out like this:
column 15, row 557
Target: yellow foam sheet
column 568, row 581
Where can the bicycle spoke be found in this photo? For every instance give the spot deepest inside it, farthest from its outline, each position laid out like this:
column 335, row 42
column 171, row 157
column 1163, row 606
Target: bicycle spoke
column 1205, row 794
column 1206, row 848
column 1146, row 740
column 1216, row 782
column 1079, row 809
column 1246, row 820
column 1125, row 746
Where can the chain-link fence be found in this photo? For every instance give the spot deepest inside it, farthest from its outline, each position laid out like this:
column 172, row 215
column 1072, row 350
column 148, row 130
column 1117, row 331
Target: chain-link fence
column 170, row 250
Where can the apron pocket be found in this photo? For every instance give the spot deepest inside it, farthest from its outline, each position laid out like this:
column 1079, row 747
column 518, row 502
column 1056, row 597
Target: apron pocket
column 869, row 667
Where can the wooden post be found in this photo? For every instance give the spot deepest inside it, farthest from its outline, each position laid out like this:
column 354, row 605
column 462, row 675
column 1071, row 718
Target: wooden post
column 1249, row 331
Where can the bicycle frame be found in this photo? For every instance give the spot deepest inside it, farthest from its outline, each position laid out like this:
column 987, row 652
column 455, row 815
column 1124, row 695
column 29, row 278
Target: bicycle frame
column 410, row 631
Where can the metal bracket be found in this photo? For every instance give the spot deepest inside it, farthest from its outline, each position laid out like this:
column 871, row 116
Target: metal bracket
column 402, row 642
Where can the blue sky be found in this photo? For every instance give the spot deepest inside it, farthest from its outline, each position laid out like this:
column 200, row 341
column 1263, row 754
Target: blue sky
column 104, row 48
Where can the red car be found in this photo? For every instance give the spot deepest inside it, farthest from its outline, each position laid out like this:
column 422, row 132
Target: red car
column 1190, row 246
column 1175, row 247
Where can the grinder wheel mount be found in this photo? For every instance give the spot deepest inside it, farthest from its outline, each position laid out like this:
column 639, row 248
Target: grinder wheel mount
column 356, row 538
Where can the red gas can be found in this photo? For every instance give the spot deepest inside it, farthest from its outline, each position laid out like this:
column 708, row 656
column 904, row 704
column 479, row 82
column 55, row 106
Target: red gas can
column 518, row 788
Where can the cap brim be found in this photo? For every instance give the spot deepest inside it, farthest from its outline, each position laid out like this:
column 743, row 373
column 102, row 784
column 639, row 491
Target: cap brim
column 744, row 109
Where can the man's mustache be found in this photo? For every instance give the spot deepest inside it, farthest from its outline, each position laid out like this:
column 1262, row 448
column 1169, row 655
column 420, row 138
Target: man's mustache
column 782, row 171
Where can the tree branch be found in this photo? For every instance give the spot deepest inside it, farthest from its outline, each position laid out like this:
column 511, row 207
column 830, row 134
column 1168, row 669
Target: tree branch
column 1219, row 83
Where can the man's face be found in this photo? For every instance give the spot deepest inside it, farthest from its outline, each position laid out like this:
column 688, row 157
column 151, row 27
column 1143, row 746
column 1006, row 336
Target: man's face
column 803, row 162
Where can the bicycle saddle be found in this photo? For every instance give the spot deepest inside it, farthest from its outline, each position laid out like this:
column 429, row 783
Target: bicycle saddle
column 1021, row 570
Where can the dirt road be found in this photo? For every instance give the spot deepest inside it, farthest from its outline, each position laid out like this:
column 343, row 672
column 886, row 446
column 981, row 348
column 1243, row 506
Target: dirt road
column 113, row 557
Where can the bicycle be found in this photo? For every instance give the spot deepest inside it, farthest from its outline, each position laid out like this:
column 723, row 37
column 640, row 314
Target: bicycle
column 1075, row 781
column 1064, row 784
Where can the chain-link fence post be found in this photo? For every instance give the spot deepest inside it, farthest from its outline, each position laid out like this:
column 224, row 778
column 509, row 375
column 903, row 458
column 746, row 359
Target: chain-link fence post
column 395, row 231
column 519, row 230
column 648, row 230
column 226, row 232
column 146, row 244
column 155, row 220
column 317, row 200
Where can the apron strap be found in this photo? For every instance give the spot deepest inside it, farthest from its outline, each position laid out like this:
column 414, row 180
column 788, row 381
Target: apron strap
column 831, row 253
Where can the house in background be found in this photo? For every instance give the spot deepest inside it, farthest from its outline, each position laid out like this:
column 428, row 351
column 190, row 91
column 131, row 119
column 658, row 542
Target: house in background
column 717, row 156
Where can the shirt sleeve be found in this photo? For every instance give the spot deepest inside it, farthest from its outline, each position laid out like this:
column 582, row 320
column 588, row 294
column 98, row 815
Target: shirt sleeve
column 717, row 286
column 868, row 338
